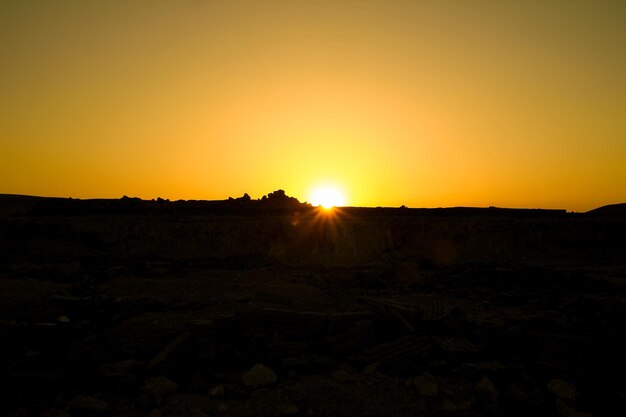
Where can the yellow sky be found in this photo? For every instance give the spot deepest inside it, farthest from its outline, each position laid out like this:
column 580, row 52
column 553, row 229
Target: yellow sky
column 426, row 104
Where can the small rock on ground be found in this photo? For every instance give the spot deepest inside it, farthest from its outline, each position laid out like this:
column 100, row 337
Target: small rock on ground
column 260, row 375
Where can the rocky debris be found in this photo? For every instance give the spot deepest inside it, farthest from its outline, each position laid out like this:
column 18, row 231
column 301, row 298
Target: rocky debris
column 286, row 410
column 371, row 369
column 259, row 376
column 425, row 385
column 279, row 199
column 86, row 406
column 490, row 336
column 183, row 404
column 518, row 394
column 564, row 410
column 217, row 391
column 343, row 376
column 157, row 389
column 448, row 406
column 562, row 389
column 486, row 392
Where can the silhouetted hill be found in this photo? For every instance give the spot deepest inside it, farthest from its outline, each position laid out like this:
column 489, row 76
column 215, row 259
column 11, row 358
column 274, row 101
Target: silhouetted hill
column 277, row 202
column 280, row 229
column 609, row 210
column 22, row 205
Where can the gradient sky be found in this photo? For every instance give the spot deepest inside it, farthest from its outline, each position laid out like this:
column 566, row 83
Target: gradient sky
column 427, row 104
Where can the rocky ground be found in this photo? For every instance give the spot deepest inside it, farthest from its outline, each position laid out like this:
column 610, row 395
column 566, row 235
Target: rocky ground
column 164, row 339
column 91, row 334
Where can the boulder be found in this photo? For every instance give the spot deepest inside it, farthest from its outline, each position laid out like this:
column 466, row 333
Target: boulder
column 425, row 385
column 86, row 406
column 259, row 376
column 486, row 391
column 562, row 389
column 157, row 389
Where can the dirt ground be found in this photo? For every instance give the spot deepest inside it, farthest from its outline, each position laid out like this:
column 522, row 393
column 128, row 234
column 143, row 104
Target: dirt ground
column 406, row 339
column 102, row 317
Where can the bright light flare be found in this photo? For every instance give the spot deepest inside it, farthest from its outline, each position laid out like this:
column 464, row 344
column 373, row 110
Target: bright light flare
column 327, row 197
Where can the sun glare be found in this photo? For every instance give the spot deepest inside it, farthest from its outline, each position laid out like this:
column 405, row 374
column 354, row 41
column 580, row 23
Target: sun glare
column 327, row 197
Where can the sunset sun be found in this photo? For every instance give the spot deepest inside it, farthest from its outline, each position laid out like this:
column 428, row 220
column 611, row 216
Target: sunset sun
column 327, row 197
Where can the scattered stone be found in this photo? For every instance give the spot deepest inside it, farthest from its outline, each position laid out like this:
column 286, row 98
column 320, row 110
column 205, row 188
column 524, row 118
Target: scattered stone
column 122, row 405
column 260, row 375
column 371, row 369
column 426, row 385
column 198, row 413
column 222, row 407
column 564, row 410
column 449, row 406
column 217, row 391
column 518, row 394
column 155, row 413
column 562, row 389
column 343, row 376
column 87, row 406
column 486, row 391
column 286, row 410
column 157, row 389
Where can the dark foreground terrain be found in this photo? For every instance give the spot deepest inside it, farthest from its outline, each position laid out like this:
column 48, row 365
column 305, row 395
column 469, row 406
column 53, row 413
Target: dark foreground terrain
column 273, row 308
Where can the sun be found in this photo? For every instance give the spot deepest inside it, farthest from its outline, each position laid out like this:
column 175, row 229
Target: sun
column 327, row 197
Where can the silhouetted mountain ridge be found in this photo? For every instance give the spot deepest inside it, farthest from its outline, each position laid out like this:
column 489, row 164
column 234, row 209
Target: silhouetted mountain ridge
column 276, row 201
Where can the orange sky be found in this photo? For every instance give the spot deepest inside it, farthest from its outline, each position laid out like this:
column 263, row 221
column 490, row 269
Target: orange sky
column 426, row 104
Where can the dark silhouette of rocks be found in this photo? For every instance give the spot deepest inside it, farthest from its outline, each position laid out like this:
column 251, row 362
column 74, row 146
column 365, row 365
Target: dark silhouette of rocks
column 243, row 199
column 278, row 199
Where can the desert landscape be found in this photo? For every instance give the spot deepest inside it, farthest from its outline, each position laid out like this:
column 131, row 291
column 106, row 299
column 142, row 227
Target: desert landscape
column 446, row 236
column 271, row 307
